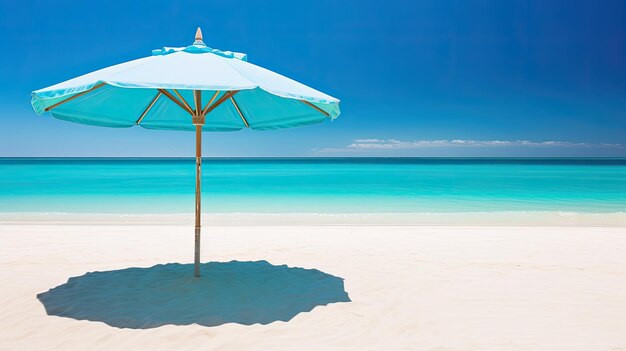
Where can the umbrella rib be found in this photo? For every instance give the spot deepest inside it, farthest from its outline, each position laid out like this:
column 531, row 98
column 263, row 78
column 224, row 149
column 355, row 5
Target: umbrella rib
column 210, row 102
column 197, row 99
column 220, row 100
column 145, row 112
column 317, row 108
column 232, row 99
column 175, row 100
column 74, row 96
column 183, row 100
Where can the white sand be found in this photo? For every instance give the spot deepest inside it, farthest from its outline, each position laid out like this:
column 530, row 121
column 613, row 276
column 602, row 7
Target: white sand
column 411, row 288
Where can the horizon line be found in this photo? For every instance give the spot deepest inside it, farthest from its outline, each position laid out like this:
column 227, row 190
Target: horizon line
column 314, row 157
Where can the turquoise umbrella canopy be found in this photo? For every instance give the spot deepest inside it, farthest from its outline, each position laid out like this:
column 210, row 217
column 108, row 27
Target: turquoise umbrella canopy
column 188, row 88
column 157, row 92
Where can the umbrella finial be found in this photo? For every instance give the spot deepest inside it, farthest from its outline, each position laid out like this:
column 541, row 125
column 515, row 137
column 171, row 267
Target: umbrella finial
column 198, row 34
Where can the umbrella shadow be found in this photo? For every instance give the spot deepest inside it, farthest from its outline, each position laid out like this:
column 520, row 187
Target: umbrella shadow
column 227, row 292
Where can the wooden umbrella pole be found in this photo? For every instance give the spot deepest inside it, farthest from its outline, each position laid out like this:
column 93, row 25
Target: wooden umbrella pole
column 198, row 121
column 198, row 195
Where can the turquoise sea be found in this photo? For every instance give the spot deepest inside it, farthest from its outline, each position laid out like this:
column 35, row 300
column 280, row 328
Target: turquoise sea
column 313, row 185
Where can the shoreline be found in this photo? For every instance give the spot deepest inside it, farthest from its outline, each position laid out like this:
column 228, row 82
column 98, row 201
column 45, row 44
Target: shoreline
column 504, row 218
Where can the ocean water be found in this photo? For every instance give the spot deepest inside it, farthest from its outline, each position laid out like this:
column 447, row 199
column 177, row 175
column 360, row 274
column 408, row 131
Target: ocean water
column 337, row 185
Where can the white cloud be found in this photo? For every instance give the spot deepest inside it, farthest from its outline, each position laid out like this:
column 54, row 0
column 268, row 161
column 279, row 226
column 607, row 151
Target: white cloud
column 368, row 140
column 393, row 144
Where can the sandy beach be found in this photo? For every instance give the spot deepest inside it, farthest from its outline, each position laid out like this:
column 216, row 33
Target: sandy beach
column 376, row 288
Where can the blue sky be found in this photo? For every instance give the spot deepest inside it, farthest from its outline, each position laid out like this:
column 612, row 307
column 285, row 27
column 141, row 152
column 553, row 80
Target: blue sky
column 416, row 78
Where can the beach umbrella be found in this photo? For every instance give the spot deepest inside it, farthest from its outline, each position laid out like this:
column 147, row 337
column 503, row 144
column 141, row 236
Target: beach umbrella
column 194, row 88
